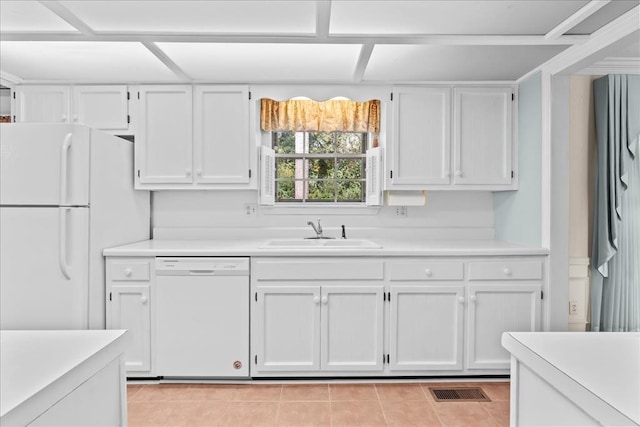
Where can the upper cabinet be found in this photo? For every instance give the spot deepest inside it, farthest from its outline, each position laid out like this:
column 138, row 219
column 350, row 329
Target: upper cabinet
column 164, row 141
column 104, row 107
column 221, row 134
column 420, row 152
column 41, row 104
column 451, row 138
column 482, row 136
column 194, row 137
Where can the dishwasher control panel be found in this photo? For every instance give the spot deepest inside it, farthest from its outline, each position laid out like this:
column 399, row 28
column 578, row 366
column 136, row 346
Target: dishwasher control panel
column 169, row 266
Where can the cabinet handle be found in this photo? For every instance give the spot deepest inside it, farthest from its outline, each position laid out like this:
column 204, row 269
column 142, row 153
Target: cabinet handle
column 472, row 298
column 316, row 300
column 75, row 117
column 460, row 300
column 144, row 300
column 63, row 118
column 128, row 272
column 428, row 272
column 458, row 172
column 507, row 271
column 324, row 300
column 199, row 172
column 187, row 172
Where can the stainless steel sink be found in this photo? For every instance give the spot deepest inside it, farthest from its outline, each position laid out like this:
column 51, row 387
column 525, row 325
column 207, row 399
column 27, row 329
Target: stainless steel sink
column 320, row 244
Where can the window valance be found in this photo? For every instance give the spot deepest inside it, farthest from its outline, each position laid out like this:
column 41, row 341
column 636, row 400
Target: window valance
column 299, row 115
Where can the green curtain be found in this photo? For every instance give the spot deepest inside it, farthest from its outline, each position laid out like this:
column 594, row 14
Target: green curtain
column 615, row 280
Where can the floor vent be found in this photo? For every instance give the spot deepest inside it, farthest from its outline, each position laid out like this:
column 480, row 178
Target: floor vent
column 458, row 394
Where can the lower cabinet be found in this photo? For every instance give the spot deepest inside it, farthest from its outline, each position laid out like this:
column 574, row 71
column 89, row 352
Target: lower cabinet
column 319, row 328
column 317, row 318
column 426, row 327
column 356, row 316
column 505, row 295
column 494, row 309
column 129, row 307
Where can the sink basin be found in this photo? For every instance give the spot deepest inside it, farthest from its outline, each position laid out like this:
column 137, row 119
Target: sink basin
column 321, row 244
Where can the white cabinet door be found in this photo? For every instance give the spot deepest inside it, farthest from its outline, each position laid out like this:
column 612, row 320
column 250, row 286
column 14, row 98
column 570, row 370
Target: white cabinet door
column 102, row 107
column 129, row 309
column 42, row 104
column 426, row 327
column 420, row 153
column 352, row 328
column 286, row 328
column 164, row 145
column 221, row 135
column 482, row 135
column 494, row 309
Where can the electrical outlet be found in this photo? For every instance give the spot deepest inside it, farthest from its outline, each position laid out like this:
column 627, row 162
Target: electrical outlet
column 401, row 211
column 573, row 308
column 250, row 208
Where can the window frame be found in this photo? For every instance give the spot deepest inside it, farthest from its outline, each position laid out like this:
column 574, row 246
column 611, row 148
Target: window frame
column 306, row 157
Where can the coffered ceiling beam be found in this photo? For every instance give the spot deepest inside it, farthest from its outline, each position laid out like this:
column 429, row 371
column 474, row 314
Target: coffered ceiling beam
column 363, row 61
column 68, row 16
column 168, row 62
column 583, row 13
column 323, row 18
column 468, row 40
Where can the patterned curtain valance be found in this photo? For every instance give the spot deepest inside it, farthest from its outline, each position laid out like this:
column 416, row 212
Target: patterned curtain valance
column 328, row 116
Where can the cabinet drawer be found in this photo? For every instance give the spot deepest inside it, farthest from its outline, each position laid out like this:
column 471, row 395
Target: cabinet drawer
column 505, row 270
column 335, row 269
column 426, row 270
column 130, row 270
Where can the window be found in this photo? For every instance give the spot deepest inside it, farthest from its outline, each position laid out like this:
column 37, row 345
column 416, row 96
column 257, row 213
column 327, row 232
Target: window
column 320, row 167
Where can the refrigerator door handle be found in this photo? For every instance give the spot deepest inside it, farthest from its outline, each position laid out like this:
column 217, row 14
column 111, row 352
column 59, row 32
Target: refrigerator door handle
column 62, row 241
column 64, row 152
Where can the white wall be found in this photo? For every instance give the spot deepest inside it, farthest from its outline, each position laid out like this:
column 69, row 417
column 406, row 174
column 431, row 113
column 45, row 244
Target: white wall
column 446, row 214
column 518, row 214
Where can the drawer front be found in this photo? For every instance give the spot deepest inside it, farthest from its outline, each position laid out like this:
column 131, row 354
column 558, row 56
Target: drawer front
column 130, row 270
column 337, row 269
column 505, row 270
column 426, row 270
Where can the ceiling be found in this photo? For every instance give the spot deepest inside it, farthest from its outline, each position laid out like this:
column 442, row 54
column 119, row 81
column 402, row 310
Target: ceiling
column 261, row 41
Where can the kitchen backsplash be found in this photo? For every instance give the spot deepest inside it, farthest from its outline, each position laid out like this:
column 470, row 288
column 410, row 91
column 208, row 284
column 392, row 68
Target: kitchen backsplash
column 445, row 215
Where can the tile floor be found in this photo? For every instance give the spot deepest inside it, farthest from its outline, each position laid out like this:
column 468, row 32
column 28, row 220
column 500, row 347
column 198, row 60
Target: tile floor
column 386, row 404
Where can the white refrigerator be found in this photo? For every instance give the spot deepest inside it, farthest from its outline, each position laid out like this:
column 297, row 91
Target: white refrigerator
column 66, row 193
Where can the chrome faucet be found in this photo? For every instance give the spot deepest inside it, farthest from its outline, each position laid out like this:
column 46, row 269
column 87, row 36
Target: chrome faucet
column 318, row 229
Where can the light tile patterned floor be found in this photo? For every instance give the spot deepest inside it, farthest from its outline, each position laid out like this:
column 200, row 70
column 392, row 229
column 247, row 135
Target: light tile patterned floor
column 387, row 404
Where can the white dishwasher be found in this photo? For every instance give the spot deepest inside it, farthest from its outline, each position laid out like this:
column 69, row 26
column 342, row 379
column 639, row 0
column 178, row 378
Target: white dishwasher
column 202, row 317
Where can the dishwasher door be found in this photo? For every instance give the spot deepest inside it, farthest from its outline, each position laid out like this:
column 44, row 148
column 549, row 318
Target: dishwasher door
column 202, row 317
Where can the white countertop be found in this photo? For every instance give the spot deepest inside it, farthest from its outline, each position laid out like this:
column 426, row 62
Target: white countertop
column 390, row 247
column 37, row 367
column 607, row 364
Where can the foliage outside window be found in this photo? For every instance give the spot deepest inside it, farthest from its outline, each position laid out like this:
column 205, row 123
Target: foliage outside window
column 316, row 167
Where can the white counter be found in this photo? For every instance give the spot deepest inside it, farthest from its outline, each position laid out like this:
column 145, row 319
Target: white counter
column 574, row 378
column 390, row 247
column 62, row 377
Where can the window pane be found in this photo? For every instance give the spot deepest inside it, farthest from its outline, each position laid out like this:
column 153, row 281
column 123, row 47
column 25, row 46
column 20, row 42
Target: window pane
column 284, row 142
column 320, row 142
column 349, row 142
column 350, row 169
column 285, row 191
column 321, row 191
column 350, row 191
column 285, row 168
column 321, row 168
